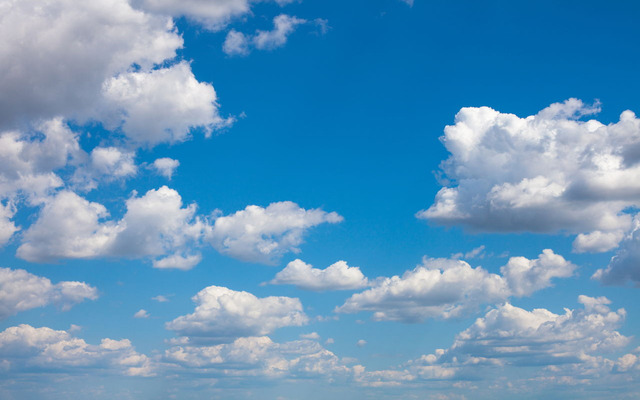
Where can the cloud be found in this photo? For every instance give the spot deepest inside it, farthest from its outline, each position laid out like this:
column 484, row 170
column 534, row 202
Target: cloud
column 155, row 225
column 166, row 166
column 625, row 265
column 24, row 349
column 567, row 346
column 105, row 163
column 310, row 336
column 240, row 44
column 548, row 172
column 258, row 357
column 213, row 15
column 132, row 102
column 142, row 313
column 361, row 343
column 514, row 336
column 88, row 43
column 21, row 291
column 451, row 288
column 222, row 314
column 263, row 235
column 160, row 298
column 338, row 276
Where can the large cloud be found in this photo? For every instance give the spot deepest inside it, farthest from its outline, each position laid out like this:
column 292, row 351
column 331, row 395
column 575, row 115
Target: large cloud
column 548, row 172
column 24, row 348
column 155, row 225
column 255, row 357
column 21, row 291
column 450, row 288
column 337, row 276
column 264, row 234
column 85, row 42
column 222, row 314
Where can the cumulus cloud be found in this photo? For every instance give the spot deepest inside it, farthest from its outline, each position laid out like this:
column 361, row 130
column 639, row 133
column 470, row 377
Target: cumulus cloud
column 548, row 172
column 24, row 348
column 141, row 313
column 263, row 235
column 450, row 288
column 258, row 357
column 237, row 43
column 132, row 102
column 338, row 276
column 625, row 265
column 222, row 314
column 155, row 225
column 213, row 15
column 166, row 166
column 105, row 163
column 88, row 42
column 21, row 291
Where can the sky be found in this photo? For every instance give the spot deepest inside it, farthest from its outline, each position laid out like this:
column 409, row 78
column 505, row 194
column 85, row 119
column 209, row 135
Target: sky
column 283, row 199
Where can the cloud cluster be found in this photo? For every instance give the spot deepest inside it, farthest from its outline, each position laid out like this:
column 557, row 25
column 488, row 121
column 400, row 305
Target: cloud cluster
column 21, row 291
column 450, row 288
column 548, row 172
column 213, row 15
column 625, row 265
column 155, row 225
column 24, row 349
column 263, row 235
column 222, row 314
column 338, row 276
column 258, row 357
column 238, row 44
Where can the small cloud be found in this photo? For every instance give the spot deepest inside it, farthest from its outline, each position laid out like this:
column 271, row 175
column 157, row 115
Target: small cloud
column 312, row 336
column 142, row 313
column 361, row 343
column 329, row 341
column 160, row 298
column 75, row 328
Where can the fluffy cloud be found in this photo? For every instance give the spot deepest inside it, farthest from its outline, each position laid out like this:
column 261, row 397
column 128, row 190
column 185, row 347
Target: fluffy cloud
column 222, row 315
column 88, row 42
column 238, row 43
column 105, row 163
column 449, row 288
column 132, row 101
column 511, row 335
column 166, row 166
column 24, row 348
column 155, row 225
column 264, row 234
column 625, row 265
column 544, row 173
column 258, row 357
column 214, row 15
column 21, row 291
column 338, row 276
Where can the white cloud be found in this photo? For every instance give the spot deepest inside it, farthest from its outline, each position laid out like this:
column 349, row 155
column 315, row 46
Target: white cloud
column 548, row 172
column 625, row 265
column 160, row 298
column 236, row 43
column 213, row 15
column 283, row 26
column 511, row 335
column 223, row 314
column 263, row 235
column 525, row 276
column 105, row 163
column 88, row 42
column 155, row 225
column 25, row 348
column 166, row 166
column 160, row 106
column 338, row 276
column 361, row 343
column 240, row 44
column 450, row 288
column 310, row 336
column 597, row 241
column 178, row 261
column 141, row 313
column 258, row 357
column 21, row 291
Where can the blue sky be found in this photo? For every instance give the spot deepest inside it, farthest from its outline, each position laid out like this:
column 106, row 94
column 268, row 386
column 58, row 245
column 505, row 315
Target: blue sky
column 302, row 199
